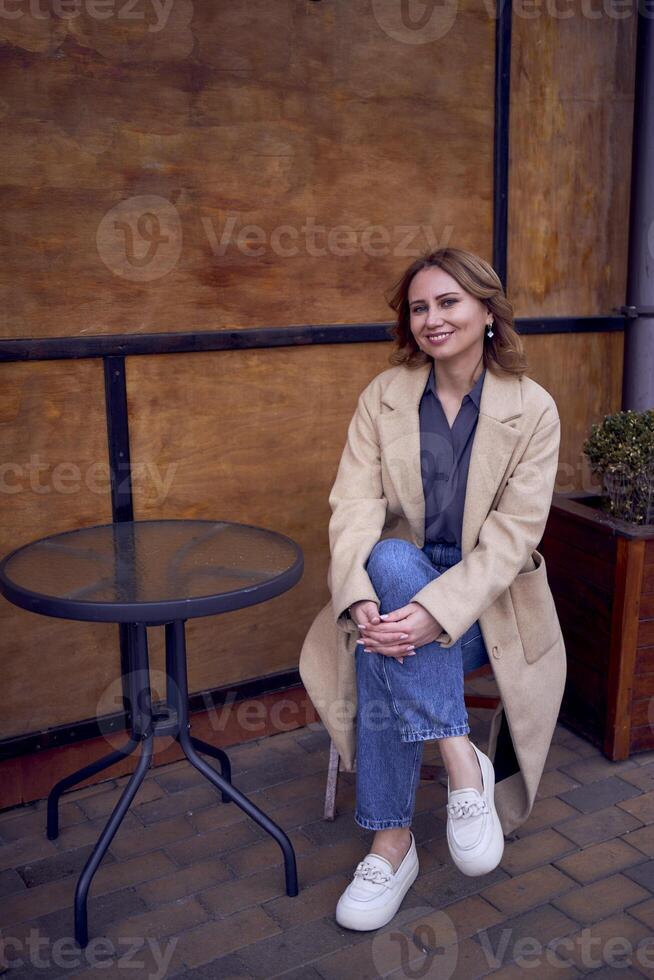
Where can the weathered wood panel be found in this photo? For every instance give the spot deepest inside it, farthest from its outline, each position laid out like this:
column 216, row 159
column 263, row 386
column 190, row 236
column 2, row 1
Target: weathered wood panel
column 241, row 164
column 584, row 374
column 572, row 84
column 54, row 477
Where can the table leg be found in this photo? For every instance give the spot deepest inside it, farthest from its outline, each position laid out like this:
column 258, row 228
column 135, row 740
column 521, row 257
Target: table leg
column 100, row 849
column 77, row 777
column 102, row 763
column 176, row 662
column 200, row 745
column 143, row 734
column 221, row 756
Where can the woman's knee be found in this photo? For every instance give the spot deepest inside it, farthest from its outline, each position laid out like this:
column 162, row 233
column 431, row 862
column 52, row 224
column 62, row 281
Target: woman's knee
column 388, row 555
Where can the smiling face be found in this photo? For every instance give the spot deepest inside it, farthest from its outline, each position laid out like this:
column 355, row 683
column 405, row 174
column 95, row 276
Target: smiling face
column 440, row 306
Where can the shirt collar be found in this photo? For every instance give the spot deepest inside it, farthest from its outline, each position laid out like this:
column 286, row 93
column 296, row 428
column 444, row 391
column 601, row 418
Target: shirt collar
column 474, row 393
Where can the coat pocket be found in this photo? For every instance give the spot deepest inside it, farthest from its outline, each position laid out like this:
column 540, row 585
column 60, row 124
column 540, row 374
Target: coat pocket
column 535, row 612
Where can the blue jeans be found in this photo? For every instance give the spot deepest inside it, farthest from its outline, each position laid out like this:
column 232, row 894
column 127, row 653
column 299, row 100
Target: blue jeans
column 400, row 706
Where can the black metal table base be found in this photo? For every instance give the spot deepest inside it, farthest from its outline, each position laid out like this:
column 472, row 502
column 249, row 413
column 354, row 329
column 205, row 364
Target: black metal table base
column 147, row 725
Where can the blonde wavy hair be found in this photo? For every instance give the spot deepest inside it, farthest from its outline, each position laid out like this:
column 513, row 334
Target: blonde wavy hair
column 504, row 350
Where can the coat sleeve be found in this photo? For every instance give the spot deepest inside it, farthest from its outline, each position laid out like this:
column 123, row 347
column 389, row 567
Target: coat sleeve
column 358, row 507
column 506, row 540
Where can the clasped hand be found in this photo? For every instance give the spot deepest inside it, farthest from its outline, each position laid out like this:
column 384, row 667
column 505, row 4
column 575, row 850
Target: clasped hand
column 399, row 632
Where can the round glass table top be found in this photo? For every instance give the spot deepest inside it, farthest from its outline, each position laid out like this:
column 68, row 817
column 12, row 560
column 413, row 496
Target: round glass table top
column 150, row 571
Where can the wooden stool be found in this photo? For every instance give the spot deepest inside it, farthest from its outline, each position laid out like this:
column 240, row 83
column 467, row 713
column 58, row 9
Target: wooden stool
column 427, row 771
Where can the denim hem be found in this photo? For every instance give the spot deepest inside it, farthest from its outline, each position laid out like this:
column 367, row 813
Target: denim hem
column 441, row 733
column 381, row 824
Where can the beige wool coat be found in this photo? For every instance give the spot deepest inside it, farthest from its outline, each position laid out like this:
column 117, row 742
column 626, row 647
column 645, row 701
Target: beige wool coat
column 501, row 579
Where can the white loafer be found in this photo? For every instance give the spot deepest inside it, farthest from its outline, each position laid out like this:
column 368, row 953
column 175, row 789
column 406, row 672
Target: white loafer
column 474, row 831
column 375, row 893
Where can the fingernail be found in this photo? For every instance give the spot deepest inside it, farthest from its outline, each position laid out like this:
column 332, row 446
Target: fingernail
column 411, row 647
column 403, row 636
column 384, row 616
column 412, row 654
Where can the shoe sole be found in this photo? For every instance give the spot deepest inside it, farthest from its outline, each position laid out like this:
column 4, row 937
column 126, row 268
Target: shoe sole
column 363, row 921
column 490, row 858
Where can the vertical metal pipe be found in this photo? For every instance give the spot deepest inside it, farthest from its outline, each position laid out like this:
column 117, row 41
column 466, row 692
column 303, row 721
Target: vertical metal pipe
column 501, row 140
column 638, row 378
column 120, row 472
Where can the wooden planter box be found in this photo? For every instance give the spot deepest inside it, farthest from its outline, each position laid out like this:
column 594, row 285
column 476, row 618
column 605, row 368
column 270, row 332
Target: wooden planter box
column 601, row 572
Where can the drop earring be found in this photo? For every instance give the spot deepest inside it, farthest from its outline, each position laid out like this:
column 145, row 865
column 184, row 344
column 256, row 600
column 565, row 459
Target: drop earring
column 489, row 332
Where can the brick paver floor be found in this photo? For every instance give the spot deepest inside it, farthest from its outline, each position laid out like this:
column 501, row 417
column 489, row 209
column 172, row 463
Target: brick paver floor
column 193, row 888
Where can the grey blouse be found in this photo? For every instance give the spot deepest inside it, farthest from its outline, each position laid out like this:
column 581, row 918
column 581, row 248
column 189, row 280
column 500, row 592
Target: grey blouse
column 445, row 460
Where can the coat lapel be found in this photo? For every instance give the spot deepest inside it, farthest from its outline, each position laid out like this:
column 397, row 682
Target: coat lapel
column 494, row 441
